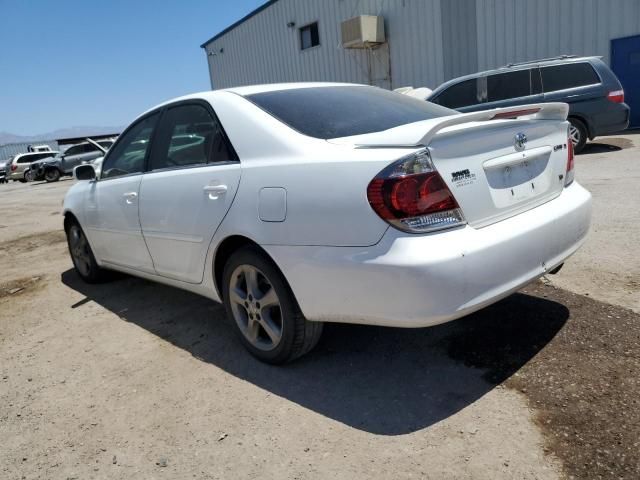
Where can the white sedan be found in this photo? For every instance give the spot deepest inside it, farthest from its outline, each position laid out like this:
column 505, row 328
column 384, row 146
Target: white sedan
column 298, row 204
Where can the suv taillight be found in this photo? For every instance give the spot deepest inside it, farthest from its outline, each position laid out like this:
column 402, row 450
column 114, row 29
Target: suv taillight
column 616, row 96
column 411, row 195
column 14, row 167
column 570, row 162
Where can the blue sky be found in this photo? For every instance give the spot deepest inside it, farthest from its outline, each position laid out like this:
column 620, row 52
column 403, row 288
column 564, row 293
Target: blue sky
column 67, row 63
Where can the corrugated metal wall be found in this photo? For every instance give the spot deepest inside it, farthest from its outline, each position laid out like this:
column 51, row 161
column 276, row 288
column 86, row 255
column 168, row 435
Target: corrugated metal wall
column 429, row 41
column 520, row 30
column 459, row 37
column 264, row 50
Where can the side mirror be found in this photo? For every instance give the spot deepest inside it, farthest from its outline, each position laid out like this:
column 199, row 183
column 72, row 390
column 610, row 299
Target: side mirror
column 84, row 172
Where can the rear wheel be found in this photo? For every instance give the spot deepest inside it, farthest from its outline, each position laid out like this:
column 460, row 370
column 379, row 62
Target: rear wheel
column 578, row 134
column 29, row 176
column 82, row 255
column 264, row 310
column 52, row 175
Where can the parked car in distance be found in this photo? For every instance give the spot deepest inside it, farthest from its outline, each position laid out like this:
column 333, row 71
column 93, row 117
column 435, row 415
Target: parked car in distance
column 39, row 148
column 20, row 164
column 3, row 170
column 372, row 210
column 52, row 169
column 593, row 92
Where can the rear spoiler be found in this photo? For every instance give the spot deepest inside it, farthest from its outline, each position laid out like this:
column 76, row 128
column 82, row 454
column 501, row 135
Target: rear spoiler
column 422, row 133
column 536, row 111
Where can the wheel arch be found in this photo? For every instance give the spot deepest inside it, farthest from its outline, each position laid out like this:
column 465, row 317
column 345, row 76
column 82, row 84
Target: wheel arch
column 585, row 122
column 225, row 249
column 69, row 218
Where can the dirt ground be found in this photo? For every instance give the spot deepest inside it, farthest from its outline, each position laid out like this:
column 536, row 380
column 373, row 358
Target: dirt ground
column 130, row 379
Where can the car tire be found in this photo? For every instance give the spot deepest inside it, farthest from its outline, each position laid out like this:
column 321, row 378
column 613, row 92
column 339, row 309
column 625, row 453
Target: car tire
column 82, row 256
column 29, row 176
column 275, row 332
column 578, row 134
column 52, row 175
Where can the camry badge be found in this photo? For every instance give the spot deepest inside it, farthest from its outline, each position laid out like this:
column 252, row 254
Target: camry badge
column 520, row 141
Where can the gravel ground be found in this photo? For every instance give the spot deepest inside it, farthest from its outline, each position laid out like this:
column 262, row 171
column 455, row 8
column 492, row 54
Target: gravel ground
column 583, row 382
column 607, row 267
column 130, row 379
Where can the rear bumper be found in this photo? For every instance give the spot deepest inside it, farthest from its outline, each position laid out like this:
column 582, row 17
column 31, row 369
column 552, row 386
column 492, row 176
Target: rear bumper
column 420, row 280
column 612, row 119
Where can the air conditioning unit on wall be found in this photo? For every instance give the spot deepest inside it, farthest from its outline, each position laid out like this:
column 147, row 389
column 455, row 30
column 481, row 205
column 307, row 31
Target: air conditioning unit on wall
column 362, row 31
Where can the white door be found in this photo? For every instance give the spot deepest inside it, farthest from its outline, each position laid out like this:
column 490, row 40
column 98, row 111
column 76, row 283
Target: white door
column 192, row 180
column 112, row 219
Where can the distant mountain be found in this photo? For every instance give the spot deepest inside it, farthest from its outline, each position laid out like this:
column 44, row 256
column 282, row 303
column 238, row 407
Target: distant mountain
column 6, row 137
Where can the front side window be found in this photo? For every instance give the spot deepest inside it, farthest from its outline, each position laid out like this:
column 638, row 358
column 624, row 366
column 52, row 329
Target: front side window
column 344, row 111
column 128, row 155
column 562, row 77
column 309, row 36
column 463, row 94
column 504, row 86
column 188, row 135
column 75, row 150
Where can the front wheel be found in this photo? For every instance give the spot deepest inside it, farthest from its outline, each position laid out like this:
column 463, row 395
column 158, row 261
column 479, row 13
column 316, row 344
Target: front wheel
column 578, row 134
column 52, row 175
column 264, row 310
column 82, row 255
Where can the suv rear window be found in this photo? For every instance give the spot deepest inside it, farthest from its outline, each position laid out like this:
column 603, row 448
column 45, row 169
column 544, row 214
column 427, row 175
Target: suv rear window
column 561, row 77
column 333, row 112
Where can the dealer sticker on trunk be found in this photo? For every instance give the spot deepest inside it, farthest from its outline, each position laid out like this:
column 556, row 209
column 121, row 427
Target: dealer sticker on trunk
column 463, row 177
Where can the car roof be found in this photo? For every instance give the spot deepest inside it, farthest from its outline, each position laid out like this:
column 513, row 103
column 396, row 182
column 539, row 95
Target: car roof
column 52, row 152
column 249, row 90
column 512, row 67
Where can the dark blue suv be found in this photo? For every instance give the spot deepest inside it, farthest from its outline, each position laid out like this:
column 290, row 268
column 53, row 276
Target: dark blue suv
column 593, row 92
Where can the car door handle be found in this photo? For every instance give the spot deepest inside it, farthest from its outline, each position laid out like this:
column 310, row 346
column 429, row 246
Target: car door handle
column 130, row 197
column 215, row 191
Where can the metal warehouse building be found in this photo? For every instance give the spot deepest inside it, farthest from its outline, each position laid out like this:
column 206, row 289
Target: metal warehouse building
column 396, row 43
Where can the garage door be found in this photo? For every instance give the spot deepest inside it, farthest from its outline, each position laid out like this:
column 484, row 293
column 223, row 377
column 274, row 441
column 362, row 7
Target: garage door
column 625, row 63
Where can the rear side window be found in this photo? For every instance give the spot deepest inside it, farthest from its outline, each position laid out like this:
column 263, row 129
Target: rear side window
column 27, row 159
column 461, row 94
column 189, row 135
column 333, row 112
column 561, row 77
column 505, row 86
column 127, row 156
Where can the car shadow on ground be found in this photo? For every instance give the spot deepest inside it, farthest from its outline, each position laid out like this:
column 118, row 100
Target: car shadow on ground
column 384, row 381
column 596, row 147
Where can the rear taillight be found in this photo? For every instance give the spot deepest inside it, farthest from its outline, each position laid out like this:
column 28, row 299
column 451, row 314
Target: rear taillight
column 14, row 168
column 570, row 162
column 616, row 96
column 411, row 195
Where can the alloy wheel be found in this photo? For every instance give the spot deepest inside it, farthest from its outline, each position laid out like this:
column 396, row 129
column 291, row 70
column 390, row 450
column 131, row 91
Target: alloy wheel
column 256, row 307
column 79, row 248
column 574, row 135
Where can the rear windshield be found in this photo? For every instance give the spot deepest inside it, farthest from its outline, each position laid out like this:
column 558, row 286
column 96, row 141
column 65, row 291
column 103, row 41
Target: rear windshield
column 333, row 112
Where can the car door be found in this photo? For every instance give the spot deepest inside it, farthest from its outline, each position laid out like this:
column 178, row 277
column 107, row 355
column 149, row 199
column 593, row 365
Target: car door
column 193, row 174
column 111, row 214
column 70, row 158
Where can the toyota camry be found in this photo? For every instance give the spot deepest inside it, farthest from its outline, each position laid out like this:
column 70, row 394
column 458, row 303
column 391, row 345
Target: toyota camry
column 298, row 204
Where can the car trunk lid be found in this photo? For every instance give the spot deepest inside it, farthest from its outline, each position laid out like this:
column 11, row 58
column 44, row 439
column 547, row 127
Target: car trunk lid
column 497, row 163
